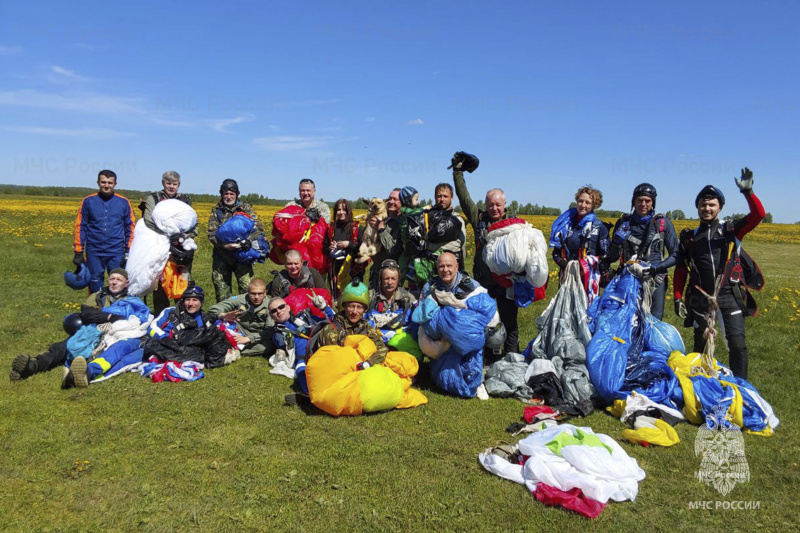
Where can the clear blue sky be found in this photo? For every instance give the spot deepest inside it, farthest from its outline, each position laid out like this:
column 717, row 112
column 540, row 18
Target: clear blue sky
column 363, row 97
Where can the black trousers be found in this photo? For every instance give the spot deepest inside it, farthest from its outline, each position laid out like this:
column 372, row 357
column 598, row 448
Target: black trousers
column 508, row 311
column 55, row 356
column 733, row 322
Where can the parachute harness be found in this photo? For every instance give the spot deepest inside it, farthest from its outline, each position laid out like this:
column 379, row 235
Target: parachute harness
column 710, row 334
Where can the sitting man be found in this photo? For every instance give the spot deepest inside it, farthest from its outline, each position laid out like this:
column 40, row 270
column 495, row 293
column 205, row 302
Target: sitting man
column 351, row 321
column 25, row 366
column 181, row 333
column 452, row 288
column 249, row 312
column 290, row 334
column 449, row 279
column 295, row 275
column 390, row 306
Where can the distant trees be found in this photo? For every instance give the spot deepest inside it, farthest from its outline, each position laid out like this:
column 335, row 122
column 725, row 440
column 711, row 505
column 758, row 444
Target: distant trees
column 677, row 214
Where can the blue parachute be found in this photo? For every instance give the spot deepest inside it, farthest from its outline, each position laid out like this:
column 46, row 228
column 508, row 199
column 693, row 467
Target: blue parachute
column 629, row 350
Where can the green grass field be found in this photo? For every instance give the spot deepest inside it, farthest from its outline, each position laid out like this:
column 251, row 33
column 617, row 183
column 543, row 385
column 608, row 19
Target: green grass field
column 223, row 454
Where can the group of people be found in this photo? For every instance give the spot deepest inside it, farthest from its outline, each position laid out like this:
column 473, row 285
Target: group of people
column 421, row 254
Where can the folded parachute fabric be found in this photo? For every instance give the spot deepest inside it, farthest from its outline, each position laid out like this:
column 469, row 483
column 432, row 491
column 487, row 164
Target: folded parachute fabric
column 571, row 500
column 506, row 378
column 562, row 339
column 150, row 249
column 403, row 341
column 293, row 230
column 238, row 229
column 174, row 371
column 113, row 332
column 517, row 251
column 629, row 349
column 337, row 387
column 703, row 393
column 299, row 299
column 567, row 457
column 459, row 370
column 128, row 307
column 83, row 342
column 649, row 430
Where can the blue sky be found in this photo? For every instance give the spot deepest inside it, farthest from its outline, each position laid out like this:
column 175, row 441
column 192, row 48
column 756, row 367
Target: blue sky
column 363, row 97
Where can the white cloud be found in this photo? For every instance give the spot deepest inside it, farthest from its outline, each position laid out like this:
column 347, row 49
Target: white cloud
column 415, row 122
column 222, row 124
column 98, row 133
column 87, row 103
column 10, row 50
column 291, row 143
column 370, row 119
column 55, row 69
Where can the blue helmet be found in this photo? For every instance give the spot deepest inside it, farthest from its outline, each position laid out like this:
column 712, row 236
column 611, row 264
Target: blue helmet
column 79, row 279
column 709, row 192
column 194, row 291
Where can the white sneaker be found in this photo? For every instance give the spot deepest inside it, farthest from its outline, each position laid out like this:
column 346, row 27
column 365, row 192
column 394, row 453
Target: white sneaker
column 482, row 394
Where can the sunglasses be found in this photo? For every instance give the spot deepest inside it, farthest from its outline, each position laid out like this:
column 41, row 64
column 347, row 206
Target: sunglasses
column 276, row 309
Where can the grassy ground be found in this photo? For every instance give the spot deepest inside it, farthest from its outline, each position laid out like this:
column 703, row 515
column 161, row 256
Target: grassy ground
column 223, row 454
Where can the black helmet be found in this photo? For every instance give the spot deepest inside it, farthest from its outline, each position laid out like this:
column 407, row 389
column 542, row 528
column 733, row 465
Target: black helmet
column 468, row 162
column 72, row 323
column 708, row 192
column 194, row 291
column 644, row 189
column 229, row 185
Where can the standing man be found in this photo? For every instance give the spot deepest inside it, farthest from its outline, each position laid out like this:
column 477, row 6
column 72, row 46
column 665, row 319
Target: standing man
column 443, row 211
column 389, row 235
column 224, row 263
column 480, row 221
column 171, row 181
column 103, row 230
column 712, row 256
column 308, row 201
column 644, row 235
column 250, row 312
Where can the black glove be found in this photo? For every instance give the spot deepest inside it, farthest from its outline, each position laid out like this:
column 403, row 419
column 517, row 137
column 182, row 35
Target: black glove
column 77, row 259
column 179, row 255
column 313, row 214
column 455, row 162
column 244, row 244
column 124, row 258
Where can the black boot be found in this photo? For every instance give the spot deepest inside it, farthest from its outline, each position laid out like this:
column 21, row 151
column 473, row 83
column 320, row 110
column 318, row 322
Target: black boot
column 23, row 367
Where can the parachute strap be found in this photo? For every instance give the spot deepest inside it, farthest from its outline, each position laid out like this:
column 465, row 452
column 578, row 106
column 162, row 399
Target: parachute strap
column 710, row 334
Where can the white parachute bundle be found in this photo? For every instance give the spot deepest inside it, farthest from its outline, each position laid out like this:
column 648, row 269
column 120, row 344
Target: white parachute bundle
column 150, row 249
column 517, row 248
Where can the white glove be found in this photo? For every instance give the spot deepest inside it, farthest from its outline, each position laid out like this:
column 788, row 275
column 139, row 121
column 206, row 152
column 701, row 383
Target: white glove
column 448, row 298
column 231, row 356
column 281, row 355
column 745, row 183
column 319, row 301
column 636, row 269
